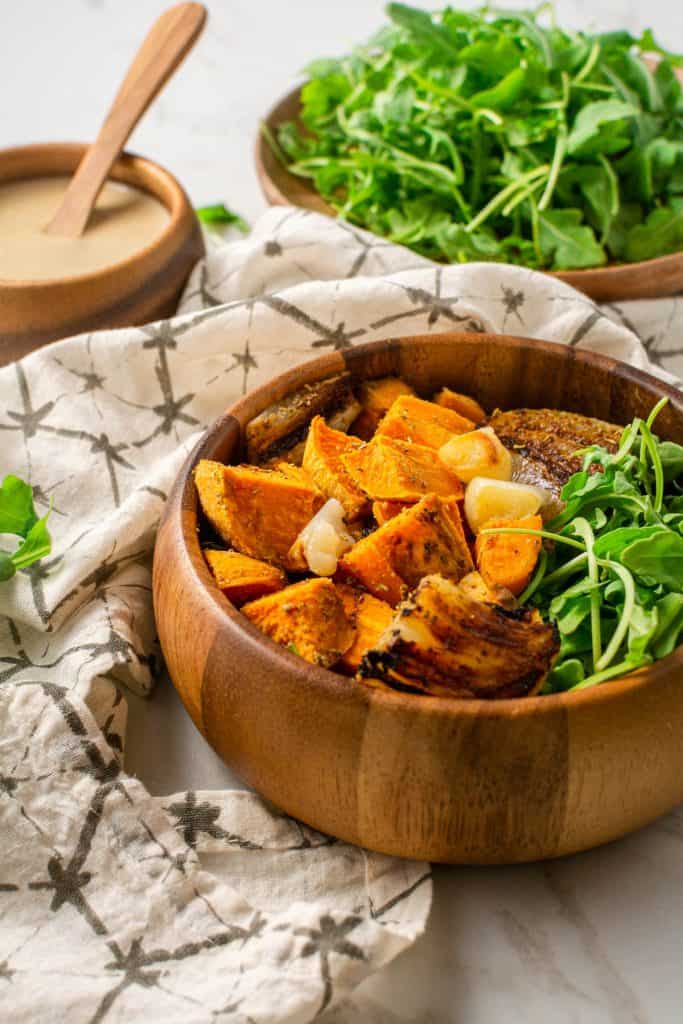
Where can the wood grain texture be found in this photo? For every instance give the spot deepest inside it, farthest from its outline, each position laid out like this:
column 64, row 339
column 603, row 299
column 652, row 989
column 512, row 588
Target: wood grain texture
column 144, row 287
column 647, row 280
column 441, row 779
column 165, row 47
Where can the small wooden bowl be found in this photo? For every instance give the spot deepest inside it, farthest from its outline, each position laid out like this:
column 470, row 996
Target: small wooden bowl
column 143, row 287
column 477, row 782
column 648, row 280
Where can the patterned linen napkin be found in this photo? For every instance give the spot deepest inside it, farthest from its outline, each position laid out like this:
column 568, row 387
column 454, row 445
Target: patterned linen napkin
column 116, row 905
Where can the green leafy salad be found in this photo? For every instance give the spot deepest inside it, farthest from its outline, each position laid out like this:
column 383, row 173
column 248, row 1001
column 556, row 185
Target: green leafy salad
column 18, row 518
column 610, row 575
column 496, row 135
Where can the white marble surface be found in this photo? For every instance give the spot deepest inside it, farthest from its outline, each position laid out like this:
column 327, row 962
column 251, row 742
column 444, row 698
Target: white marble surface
column 592, row 939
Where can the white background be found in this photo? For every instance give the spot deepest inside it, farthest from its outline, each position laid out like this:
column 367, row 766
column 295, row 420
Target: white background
column 594, row 939
column 61, row 61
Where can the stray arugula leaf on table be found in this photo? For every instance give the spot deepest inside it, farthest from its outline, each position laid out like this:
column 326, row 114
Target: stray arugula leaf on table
column 611, row 578
column 18, row 518
column 218, row 215
column 493, row 135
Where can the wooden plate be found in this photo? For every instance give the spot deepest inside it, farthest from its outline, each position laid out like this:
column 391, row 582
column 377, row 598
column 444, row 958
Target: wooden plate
column 648, row 280
column 441, row 779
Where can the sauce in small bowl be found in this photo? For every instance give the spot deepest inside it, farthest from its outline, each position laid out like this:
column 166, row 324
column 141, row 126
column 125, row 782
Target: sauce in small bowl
column 129, row 266
column 124, row 220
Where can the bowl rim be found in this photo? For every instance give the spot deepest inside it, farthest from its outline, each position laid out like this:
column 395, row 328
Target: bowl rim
column 174, row 200
column 185, row 510
column 578, row 274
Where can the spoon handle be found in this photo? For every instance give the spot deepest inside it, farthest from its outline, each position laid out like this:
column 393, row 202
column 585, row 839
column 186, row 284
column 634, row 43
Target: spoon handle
column 171, row 37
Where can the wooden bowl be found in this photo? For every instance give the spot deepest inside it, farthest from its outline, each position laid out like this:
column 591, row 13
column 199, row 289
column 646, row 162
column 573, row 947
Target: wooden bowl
column 143, row 287
column 463, row 781
column 648, row 280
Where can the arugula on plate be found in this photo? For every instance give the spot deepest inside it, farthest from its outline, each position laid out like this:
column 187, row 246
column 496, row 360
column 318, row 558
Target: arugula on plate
column 497, row 135
column 611, row 573
column 18, row 518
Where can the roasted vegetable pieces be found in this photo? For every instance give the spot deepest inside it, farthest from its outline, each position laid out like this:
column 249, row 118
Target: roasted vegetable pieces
column 308, row 617
column 428, row 565
column 442, row 641
column 496, row 135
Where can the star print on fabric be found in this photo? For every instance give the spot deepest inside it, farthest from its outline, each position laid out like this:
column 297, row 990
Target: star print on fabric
column 328, row 337
column 329, row 938
column 246, row 361
column 134, row 966
column 513, row 300
column 434, row 306
column 193, row 818
column 366, row 244
column 37, row 574
column 29, row 420
column 66, row 884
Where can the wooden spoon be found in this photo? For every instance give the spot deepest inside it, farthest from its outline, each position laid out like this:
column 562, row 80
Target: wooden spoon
column 171, row 37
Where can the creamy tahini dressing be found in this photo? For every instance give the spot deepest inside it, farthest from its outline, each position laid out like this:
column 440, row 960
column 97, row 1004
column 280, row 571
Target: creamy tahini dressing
column 124, row 221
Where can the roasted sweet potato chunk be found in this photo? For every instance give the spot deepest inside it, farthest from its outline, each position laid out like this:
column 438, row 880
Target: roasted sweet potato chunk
column 426, row 538
column 369, row 616
column 383, row 511
column 376, row 398
column 242, row 578
column 389, row 470
column 412, row 419
column 323, row 461
column 444, row 642
column 508, row 559
column 308, row 618
column 260, row 512
column 462, row 404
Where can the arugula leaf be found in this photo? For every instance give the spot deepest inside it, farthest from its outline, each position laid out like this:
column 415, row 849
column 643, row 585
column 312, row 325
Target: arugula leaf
column 671, row 455
column 566, row 675
column 18, row 517
column 670, row 624
column 17, row 513
column 658, row 558
column 648, row 44
column 612, row 543
column 601, row 127
column 7, row 568
column 661, row 233
column 505, row 93
column 566, row 243
column 421, row 26
column 36, row 545
column 219, row 214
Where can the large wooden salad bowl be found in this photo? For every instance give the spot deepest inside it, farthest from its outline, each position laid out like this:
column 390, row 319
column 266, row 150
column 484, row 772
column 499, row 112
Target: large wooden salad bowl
column 614, row 283
column 478, row 782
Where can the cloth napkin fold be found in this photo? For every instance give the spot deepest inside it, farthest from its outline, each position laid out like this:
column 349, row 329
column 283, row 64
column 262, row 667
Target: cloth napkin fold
column 116, row 905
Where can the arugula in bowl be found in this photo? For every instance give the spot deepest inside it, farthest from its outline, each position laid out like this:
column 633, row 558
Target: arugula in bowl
column 491, row 135
column 610, row 575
